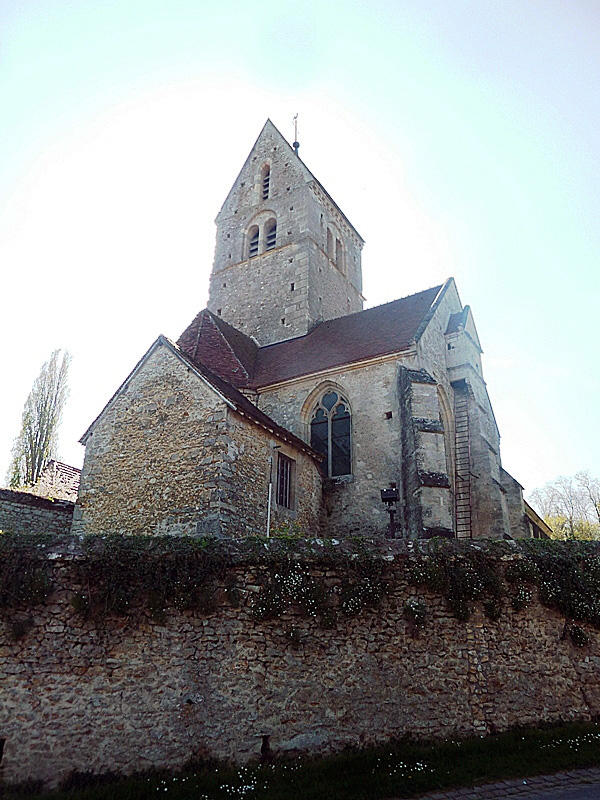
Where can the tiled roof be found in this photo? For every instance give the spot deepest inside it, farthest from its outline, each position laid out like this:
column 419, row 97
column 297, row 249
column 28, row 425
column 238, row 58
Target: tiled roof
column 235, row 358
column 245, row 348
column 229, row 353
column 389, row 328
column 241, row 403
column 59, row 481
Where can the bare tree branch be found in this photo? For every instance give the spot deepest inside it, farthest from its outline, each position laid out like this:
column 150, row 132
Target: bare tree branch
column 571, row 506
column 37, row 442
column 591, row 487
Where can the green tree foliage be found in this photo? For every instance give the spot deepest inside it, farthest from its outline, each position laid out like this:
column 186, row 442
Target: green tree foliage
column 571, row 506
column 37, row 442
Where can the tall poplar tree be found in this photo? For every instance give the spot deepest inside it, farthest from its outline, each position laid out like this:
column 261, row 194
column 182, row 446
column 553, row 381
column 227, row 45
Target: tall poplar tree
column 37, row 442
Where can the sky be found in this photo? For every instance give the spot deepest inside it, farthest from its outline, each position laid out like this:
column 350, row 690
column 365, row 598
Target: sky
column 461, row 137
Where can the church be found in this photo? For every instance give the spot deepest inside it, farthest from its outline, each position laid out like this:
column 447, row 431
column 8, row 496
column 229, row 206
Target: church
column 284, row 405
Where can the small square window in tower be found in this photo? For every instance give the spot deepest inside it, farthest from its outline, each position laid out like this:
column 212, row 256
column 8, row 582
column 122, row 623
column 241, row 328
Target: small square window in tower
column 271, row 237
column 285, row 475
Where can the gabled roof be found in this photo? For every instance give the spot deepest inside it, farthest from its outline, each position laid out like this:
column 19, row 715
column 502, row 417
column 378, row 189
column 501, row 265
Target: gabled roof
column 382, row 330
column 234, row 399
column 58, row 480
column 229, row 352
column 463, row 321
column 236, row 359
column 238, row 402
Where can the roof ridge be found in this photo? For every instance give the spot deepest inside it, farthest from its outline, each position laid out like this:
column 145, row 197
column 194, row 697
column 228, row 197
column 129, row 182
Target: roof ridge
column 354, row 314
column 228, row 344
column 248, row 408
column 62, row 464
column 353, row 338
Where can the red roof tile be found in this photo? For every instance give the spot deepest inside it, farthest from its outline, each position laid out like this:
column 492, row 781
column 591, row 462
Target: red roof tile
column 389, row 328
column 241, row 403
column 229, row 353
column 236, row 359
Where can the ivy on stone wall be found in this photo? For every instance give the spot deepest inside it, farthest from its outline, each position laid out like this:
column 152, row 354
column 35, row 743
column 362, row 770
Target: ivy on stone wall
column 289, row 579
column 320, row 578
column 565, row 576
column 25, row 579
column 116, row 572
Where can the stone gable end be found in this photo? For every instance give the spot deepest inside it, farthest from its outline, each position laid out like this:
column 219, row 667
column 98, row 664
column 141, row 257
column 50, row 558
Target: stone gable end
column 170, row 455
column 153, row 455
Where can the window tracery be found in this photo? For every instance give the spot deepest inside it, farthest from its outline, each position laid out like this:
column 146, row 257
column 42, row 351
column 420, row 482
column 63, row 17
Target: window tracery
column 330, row 433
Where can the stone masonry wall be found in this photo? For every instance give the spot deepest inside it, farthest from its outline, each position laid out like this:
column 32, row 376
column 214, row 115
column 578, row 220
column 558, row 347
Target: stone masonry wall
column 21, row 512
column 134, row 693
column 352, row 502
column 244, row 481
column 170, row 456
column 153, row 457
column 281, row 292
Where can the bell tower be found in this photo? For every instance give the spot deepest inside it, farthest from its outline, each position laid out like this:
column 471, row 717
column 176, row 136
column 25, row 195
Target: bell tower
column 286, row 257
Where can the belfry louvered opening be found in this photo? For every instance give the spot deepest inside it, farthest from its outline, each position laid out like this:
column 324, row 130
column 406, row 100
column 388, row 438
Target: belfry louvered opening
column 253, row 241
column 271, row 238
column 266, row 182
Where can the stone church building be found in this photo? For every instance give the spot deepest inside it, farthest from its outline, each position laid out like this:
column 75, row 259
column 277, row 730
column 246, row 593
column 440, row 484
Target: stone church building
column 285, row 401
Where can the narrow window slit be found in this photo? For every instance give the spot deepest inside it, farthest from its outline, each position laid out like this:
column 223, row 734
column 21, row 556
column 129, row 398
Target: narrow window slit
column 266, row 182
column 284, row 481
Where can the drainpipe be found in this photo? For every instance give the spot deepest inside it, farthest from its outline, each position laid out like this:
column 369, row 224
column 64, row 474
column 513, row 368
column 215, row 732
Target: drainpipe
column 273, row 446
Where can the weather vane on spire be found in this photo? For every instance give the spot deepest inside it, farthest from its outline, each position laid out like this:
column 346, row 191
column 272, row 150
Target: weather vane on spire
column 296, row 144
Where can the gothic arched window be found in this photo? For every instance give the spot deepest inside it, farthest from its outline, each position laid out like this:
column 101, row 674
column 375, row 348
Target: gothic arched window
column 330, row 433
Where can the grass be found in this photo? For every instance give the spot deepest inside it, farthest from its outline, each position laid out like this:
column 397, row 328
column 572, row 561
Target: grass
column 401, row 769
